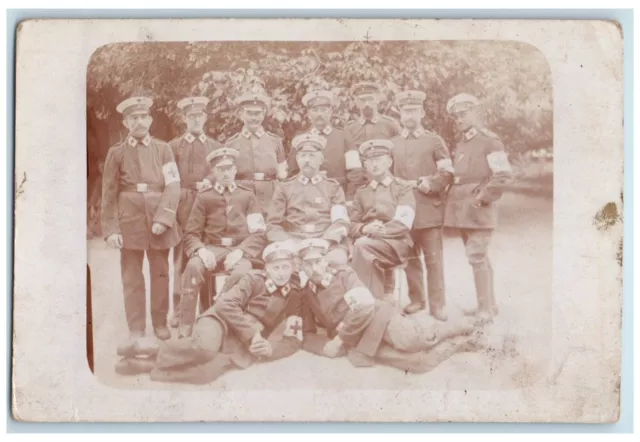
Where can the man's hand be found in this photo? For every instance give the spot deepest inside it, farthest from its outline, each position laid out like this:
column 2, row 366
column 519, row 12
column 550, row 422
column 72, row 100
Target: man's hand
column 208, row 258
column 333, row 347
column 373, row 228
column 232, row 259
column 158, row 228
column 115, row 241
column 204, row 185
column 424, row 186
column 260, row 346
column 336, row 234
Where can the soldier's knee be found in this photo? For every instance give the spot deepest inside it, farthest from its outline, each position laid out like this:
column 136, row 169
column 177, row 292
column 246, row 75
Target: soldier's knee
column 207, row 336
column 363, row 248
column 476, row 257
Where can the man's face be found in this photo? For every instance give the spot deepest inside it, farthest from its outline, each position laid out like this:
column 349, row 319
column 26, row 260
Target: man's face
column 320, row 115
column 368, row 104
column 253, row 117
column 411, row 117
column 465, row 118
column 315, row 268
column 280, row 271
column 195, row 122
column 378, row 166
column 225, row 174
column 309, row 162
column 138, row 124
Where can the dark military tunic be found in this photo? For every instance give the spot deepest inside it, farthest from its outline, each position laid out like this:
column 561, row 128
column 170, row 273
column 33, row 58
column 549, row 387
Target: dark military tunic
column 141, row 186
column 481, row 171
column 379, row 127
column 260, row 164
column 420, row 157
column 307, row 208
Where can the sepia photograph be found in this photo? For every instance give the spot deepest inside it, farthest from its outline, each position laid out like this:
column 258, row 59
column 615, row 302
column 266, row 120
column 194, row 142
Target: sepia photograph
column 318, row 220
column 326, row 214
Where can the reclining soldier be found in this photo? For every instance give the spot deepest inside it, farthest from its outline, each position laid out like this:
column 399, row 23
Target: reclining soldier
column 234, row 332
column 225, row 233
column 369, row 330
column 310, row 205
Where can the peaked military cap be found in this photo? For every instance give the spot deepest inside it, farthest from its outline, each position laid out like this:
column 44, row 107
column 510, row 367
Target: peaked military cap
column 224, row 156
column 193, row 104
column 461, row 102
column 410, row 99
column 278, row 250
column 135, row 105
column 253, row 100
column 317, row 98
column 313, row 248
column 375, row 148
column 309, row 142
column 365, row 88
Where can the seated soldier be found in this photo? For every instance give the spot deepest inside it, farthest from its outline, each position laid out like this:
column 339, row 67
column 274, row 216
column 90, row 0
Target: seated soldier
column 310, row 205
column 225, row 233
column 381, row 218
column 371, row 330
column 233, row 332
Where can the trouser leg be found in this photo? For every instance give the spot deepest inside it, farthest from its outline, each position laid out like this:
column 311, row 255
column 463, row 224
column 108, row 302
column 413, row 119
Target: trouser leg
column 179, row 263
column 159, row 271
column 192, row 280
column 415, row 271
column 476, row 243
column 370, row 256
column 134, row 289
column 202, row 347
column 414, row 334
column 432, row 244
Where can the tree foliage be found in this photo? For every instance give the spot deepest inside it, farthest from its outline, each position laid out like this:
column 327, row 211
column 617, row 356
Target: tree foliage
column 512, row 79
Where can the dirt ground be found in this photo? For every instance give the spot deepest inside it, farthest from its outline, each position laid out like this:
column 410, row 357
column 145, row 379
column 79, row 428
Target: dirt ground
column 521, row 254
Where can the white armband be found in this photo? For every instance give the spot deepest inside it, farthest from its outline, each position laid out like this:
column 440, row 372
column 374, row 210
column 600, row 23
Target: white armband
column 405, row 215
column 293, row 327
column 358, row 297
column 445, row 164
column 352, row 160
column 339, row 212
column 170, row 172
column 498, row 162
column 255, row 223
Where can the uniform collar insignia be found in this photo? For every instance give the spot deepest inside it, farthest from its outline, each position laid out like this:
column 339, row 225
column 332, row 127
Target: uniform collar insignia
column 386, row 182
column 133, row 142
column 315, row 180
column 247, row 133
column 416, row 133
column 313, row 287
column 470, row 133
column 285, row 289
column 271, row 286
column 190, row 138
column 220, row 188
column 327, row 130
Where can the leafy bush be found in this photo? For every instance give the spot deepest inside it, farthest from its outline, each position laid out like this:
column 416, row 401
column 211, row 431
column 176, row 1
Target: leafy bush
column 512, row 79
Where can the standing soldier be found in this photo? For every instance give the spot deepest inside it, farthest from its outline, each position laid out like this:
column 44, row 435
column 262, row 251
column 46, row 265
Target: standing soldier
column 341, row 157
column 372, row 126
column 190, row 151
column 481, row 170
column 262, row 159
column 140, row 195
column 422, row 158
column 310, row 205
column 225, row 232
column 381, row 218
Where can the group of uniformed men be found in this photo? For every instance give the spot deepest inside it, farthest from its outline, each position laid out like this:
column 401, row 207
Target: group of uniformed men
column 311, row 239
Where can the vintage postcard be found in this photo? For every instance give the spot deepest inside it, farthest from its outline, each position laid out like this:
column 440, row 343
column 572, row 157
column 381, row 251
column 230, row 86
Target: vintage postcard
column 318, row 220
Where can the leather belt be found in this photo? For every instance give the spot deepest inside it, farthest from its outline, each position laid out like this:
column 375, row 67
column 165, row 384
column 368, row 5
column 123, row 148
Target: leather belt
column 225, row 242
column 142, row 188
